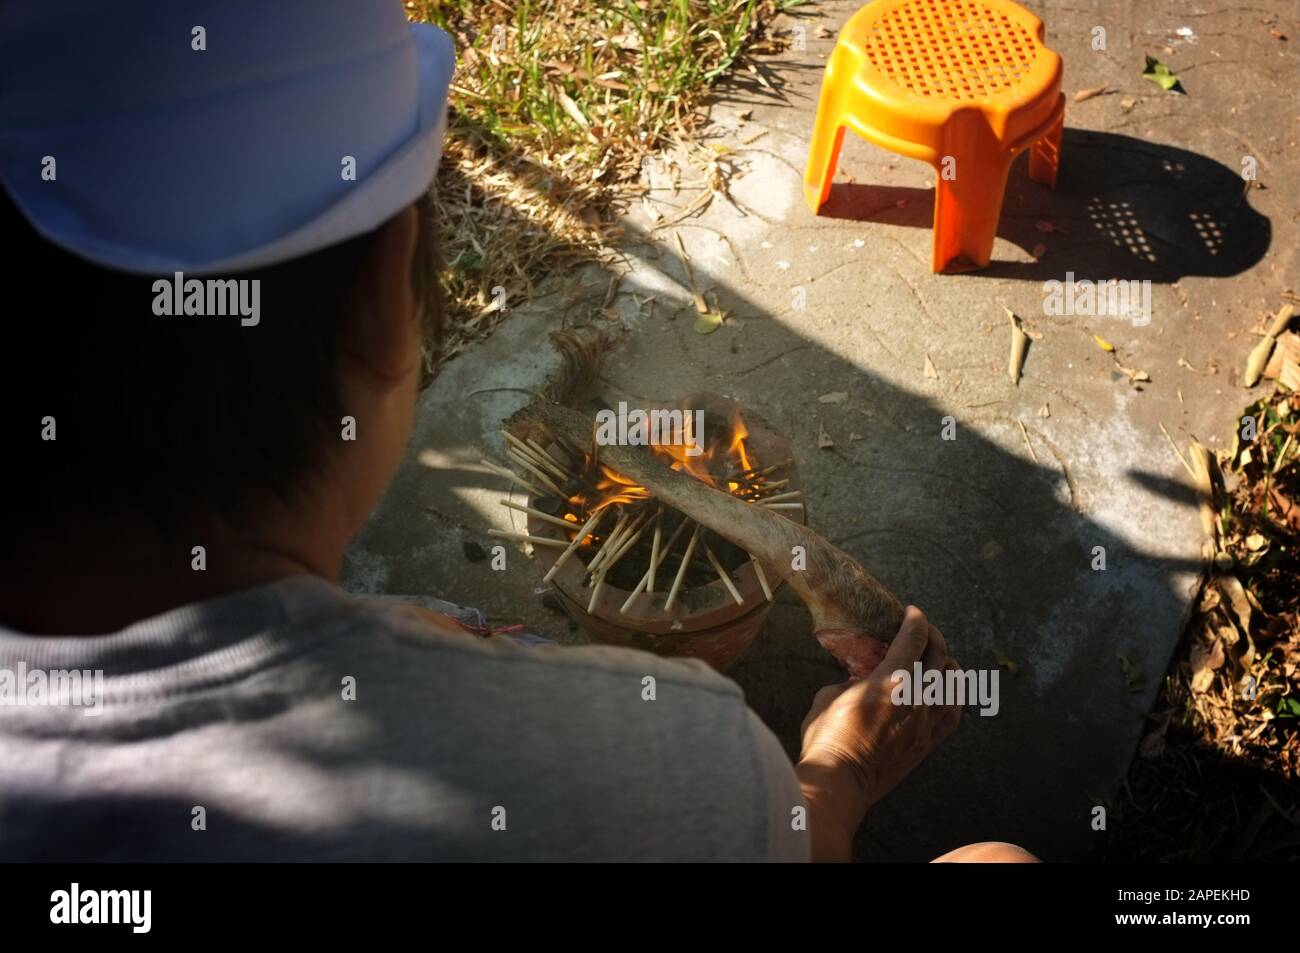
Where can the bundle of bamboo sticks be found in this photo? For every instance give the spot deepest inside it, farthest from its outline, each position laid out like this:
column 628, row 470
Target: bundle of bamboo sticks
column 565, row 475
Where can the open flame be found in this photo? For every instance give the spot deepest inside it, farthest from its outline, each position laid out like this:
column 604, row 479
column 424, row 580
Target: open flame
column 723, row 463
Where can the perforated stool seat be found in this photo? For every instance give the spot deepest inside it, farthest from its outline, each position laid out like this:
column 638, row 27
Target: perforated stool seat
column 965, row 85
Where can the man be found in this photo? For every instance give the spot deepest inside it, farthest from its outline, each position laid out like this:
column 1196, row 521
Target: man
column 211, row 377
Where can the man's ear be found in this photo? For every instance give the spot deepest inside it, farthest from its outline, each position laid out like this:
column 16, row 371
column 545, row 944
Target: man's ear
column 380, row 333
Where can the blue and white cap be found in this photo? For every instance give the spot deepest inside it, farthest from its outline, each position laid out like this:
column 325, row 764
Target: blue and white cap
column 154, row 136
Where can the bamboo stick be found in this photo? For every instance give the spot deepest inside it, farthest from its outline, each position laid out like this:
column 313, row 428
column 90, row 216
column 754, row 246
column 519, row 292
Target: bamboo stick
column 780, row 497
column 762, row 577
column 654, row 548
column 629, row 540
column 573, row 546
column 520, row 447
column 681, row 570
column 610, row 540
column 663, row 555
column 781, row 506
column 544, row 517
column 565, row 465
column 609, row 564
column 723, row 575
column 552, row 487
column 525, row 538
column 512, row 477
column 752, row 472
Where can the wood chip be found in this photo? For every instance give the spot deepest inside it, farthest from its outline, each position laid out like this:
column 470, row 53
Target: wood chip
column 931, row 371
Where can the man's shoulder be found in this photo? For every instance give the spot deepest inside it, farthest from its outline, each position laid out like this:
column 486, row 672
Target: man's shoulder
column 418, row 649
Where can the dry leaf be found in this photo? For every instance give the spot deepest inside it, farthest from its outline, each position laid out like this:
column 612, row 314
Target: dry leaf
column 1153, row 745
column 1206, row 658
column 1019, row 345
column 708, row 322
column 834, row 397
column 572, row 109
column 1085, row 94
column 1284, row 509
column 1135, row 376
column 1045, row 411
column 1104, row 344
column 1258, row 363
column 1003, row 661
column 931, row 371
column 1286, row 346
column 1231, row 587
column 824, row 441
column 1290, row 376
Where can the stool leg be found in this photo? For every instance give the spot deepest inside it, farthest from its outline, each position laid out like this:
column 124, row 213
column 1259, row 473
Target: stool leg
column 967, row 205
column 828, row 133
column 1045, row 155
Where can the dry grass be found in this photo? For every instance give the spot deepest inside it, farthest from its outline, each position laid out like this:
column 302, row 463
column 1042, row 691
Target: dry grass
column 1218, row 775
column 555, row 104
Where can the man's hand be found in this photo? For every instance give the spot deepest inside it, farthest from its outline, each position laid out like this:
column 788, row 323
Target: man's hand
column 857, row 744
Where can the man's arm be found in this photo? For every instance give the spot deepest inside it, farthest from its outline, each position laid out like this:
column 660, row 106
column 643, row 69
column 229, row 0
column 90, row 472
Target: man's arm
column 857, row 744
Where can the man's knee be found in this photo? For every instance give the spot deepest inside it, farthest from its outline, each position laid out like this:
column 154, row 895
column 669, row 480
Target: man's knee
column 988, row 852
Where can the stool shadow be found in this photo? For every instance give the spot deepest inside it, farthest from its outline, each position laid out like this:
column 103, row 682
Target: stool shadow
column 1122, row 208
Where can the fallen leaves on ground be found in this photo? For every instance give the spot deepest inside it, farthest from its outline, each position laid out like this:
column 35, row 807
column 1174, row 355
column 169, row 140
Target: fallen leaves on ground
column 1161, row 75
column 1222, row 780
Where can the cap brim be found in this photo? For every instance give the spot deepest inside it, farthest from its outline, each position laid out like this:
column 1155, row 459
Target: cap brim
column 399, row 179
column 398, row 182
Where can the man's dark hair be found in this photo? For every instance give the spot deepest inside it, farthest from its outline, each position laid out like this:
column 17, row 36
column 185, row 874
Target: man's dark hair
column 163, row 415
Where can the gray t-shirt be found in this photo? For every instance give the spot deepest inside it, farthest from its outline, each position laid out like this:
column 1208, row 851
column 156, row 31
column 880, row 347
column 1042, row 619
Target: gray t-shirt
column 295, row 722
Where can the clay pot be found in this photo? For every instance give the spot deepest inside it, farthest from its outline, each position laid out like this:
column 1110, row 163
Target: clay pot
column 706, row 622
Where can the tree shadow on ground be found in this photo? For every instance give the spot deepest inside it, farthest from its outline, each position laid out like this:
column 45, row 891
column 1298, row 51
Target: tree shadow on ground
column 999, row 547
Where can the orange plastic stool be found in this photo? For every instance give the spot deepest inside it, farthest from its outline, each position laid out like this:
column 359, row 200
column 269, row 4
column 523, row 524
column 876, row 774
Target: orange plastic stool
column 965, row 85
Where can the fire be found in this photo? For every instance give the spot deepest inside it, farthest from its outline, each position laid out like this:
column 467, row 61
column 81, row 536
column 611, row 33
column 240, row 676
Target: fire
column 724, row 461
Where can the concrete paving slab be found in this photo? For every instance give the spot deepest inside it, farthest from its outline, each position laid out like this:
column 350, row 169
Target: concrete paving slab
column 996, row 532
